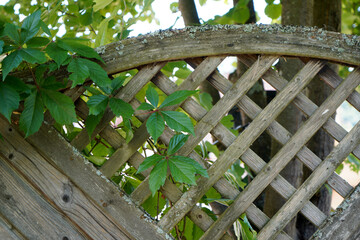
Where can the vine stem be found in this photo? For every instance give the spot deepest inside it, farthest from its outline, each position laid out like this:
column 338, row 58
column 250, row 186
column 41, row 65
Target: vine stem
column 33, row 76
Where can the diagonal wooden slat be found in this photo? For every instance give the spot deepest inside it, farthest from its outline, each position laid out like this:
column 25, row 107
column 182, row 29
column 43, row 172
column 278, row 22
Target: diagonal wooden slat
column 249, row 157
column 311, row 185
column 305, row 104
column 126, row 94
column 58, row 188
column 209, row 121
column 240, row 145
column 140, row 136
column 279, row 161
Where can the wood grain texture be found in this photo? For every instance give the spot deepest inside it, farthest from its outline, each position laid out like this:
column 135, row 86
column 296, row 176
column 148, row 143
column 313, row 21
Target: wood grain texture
column 240, row 39
column 311, row 185
column 344, row 223
column 28, row 211
column 307, row 107
column 318, row 118
column 113, row 202
column 240, row 145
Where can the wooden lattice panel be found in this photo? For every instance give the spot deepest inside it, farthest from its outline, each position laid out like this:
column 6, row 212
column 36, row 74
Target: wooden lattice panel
column 204, row 50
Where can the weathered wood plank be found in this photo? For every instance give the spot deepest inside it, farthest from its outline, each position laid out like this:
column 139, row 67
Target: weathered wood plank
column 28, row 211
column 211, row 119
column 305, row 104
column 344, row 223
column 240, row 145
column 311, row 185
column 279, row 161
column 127, row 93
column 191, row 83
column 8, row 231
column 58, row 188
column 113, row 202
column 240, row 39
column 249, row 157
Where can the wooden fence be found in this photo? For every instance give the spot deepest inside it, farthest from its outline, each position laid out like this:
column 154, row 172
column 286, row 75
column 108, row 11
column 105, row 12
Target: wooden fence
column 48, row 190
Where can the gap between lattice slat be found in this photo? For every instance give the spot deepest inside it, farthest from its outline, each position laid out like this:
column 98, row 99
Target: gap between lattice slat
column 211, row 119
column 312, row 184
column 306, row 105
column 199, row 217
column 241, row 144
column 280, row 160
column 124, row 153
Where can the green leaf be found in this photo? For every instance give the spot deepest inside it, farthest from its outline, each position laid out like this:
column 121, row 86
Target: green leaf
column 36, row 42
column 97, row 104
column 241, row 14
column 158, row 176
column 182, row 73
column 45, row 28
column 97, row 160
column 61, row 107
column 117, row 83
column 178, row 121
column 86, row 18
column 97, row 73
column 197, row 167
column 12, row 32
column 92, row 90
column 79, row 71
column 181, row 170
column 176, row 97
column 1, row 46
column 30, row 26
column 152, row 96
column 17, row 84
column 273, row 11
column 155, row 125
column 121, row 108
column 128, row 130
column 100, row 4
column 206, row 100
column 75, row 46
column 10, row 62
column 91, row 122
column 9, row 100
column 145, row 106
column 32, row 55
column 202, row 2
column 149, row 162
column 176, row 142
column 32, row 117
column 58, row 54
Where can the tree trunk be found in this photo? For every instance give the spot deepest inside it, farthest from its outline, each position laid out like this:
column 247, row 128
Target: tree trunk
column 327, row 15
column 294, row 12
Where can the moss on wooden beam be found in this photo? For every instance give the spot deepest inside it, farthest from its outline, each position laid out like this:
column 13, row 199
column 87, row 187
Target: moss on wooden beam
column 210, row 40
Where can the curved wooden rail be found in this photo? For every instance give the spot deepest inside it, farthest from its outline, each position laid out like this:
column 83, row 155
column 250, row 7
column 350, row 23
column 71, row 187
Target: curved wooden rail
column 230, row 39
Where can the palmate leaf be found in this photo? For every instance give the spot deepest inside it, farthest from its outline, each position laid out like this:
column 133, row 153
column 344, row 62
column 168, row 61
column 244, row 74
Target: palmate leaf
column 121, row 108
column 1, row 46
column 12, row 31
column 61, row 107
column 79, row 71
column 181, row 170
column 176, row 98
column 158, row 176
column 176, row 142
column 190, row 163
column 33, row 114
column 10, row 62
column 32, row 55
column 149, row 162
column 155, row 125
column 145, row 106
column 152, row 96
column 178, row 121
column 9, row 100
column 97, row 104
column 58, row 54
